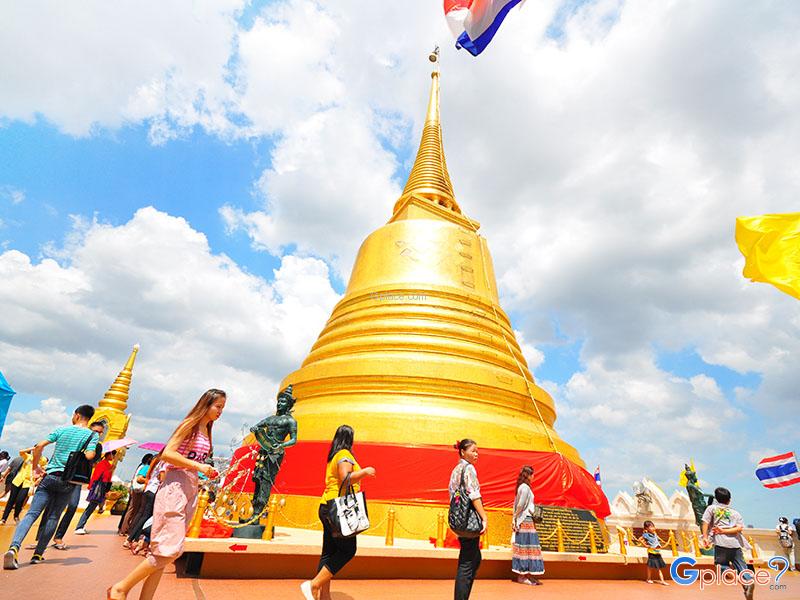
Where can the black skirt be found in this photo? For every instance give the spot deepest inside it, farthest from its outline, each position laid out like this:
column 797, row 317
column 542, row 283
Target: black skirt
column 654, row 560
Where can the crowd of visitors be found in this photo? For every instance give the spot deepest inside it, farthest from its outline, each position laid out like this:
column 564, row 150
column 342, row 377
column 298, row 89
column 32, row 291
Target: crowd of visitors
column 163, row 495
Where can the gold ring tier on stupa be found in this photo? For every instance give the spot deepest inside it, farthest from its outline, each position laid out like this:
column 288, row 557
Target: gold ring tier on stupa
column 418, row 351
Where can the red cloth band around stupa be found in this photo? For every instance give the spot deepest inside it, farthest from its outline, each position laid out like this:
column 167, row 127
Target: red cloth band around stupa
column 420, row 474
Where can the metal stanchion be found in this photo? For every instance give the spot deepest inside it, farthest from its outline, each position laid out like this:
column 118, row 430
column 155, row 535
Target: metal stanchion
column 390, row 527
column 440, row 530
column 672, row 543
column 197, row 518
column 270, row 527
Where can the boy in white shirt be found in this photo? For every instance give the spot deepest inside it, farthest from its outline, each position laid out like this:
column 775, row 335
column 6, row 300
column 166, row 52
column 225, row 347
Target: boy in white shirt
column 725, row 526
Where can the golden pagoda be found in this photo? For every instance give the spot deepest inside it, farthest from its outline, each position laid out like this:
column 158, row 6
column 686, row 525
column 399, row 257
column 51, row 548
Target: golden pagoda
column 419, row 347
column 111, row 409
column 418, row 353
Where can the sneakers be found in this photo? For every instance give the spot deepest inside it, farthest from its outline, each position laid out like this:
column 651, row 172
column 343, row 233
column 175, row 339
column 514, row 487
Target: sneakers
column 10, row 559
column 81, row 531
column 36, row 559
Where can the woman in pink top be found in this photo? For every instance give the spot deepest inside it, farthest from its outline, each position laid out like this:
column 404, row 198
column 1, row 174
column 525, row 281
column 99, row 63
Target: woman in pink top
column 185, row 453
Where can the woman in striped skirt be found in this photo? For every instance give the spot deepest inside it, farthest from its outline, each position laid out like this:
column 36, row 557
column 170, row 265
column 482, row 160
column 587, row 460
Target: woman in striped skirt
column 526, row 552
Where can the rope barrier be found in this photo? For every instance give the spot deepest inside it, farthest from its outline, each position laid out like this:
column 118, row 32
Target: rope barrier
column 313, row 524
column 547, row 538
column 508, row 344
column 578, row 543
column 397, row 522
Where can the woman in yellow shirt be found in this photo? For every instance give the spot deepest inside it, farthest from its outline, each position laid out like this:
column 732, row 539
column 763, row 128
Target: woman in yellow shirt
column 21, row 486
column 336, row 552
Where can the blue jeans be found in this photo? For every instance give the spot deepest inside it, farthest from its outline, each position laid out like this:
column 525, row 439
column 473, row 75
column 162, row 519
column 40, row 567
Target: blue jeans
column 731, row 558
column 87, row 512
column 72, row 506
column 53, row 491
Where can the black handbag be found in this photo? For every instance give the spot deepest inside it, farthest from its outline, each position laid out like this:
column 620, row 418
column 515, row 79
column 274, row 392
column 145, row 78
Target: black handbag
column 78, row 468
column 462, row 517
column 538, row 514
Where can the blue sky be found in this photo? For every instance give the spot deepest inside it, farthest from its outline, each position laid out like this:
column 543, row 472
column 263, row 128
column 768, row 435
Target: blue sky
column 111, row 174
column 606, row 173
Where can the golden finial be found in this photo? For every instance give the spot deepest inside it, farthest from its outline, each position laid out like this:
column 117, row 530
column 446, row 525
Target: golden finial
column 429, row 178
column 117, row 395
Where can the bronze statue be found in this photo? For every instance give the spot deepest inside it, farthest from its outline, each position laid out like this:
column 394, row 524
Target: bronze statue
column 698, row 499
column 271, row 434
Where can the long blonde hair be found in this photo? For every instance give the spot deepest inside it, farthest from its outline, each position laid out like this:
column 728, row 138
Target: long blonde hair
column 191, row 422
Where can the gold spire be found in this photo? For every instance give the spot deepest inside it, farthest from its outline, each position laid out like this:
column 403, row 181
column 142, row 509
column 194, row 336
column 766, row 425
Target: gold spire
column 117, row 395
column 429, row 178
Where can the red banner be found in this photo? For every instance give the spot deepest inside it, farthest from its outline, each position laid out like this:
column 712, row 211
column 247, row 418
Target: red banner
column 420, row 474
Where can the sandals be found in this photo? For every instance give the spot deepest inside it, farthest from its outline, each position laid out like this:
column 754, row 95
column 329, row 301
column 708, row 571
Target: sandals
column 61, row 546
column 140, row 548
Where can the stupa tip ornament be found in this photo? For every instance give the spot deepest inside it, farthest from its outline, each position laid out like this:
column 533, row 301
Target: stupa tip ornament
column 117, row 395
column 111, row 409
column 429, row 179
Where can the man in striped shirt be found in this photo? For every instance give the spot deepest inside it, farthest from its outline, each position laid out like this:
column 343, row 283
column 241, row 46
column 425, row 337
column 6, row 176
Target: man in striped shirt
column 53, row 490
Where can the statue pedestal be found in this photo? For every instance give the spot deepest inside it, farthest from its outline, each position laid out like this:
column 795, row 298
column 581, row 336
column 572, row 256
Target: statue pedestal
column 250, row 532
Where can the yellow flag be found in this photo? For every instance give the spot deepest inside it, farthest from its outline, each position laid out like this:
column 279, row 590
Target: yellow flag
column 771, row 248
column 682, row 481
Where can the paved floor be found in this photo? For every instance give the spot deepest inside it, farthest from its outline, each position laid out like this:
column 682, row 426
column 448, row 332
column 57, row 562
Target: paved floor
column 94, row 561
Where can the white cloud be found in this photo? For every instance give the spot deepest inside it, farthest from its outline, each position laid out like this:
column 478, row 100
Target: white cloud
column 318, row 193
column 201, row 320
column 24, row 429
column 756, row 456
column 12, row 194
column 89, row 65
column 640, row 419
column 533, row 356
column 286, row 67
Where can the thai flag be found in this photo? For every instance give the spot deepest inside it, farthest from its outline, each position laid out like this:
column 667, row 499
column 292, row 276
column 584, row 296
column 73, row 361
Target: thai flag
column 474, row 22
column 778, row 471
column 597, row 476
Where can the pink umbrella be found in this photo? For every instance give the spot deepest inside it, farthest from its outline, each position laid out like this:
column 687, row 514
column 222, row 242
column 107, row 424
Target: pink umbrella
column 112, row 445
column 154, row 446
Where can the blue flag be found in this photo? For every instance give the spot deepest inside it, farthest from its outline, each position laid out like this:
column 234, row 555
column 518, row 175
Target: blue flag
column 6, row 393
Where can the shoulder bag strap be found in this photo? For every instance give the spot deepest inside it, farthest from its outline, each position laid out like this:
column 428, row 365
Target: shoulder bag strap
column 348, row 487
column 86, row 443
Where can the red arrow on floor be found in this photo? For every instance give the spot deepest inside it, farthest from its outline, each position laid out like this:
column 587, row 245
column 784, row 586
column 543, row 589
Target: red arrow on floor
column 237, row 548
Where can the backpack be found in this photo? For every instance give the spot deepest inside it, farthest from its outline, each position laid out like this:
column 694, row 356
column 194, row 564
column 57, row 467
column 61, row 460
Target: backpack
column 784, row 536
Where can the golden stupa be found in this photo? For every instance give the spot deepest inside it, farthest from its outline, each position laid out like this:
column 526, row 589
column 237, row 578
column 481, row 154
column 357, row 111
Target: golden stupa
column 418, row 352
column 419, row 347
column 111, row 409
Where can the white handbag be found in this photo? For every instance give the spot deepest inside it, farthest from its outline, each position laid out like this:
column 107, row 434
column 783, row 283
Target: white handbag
column 348, row 513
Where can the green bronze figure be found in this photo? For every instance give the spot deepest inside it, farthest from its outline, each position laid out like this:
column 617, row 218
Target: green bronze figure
column 698, row 499
column 271, row 434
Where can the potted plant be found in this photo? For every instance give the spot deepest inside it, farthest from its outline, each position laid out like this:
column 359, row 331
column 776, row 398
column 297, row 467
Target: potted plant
column 117, row 498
